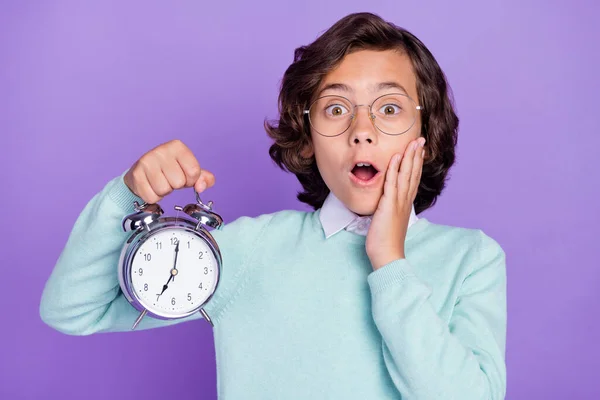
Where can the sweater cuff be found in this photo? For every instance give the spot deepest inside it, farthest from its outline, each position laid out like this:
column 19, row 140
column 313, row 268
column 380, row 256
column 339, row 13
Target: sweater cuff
column 390, row 274
column 122, row 195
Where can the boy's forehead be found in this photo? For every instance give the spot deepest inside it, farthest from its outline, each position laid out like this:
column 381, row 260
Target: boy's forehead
column 368, row 71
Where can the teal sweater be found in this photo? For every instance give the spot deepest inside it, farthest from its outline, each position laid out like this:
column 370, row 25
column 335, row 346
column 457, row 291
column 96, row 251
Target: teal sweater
column 298, row 316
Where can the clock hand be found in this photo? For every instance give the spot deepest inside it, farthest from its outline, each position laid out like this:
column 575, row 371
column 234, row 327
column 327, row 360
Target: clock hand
column 174, row 270
column 165, row 286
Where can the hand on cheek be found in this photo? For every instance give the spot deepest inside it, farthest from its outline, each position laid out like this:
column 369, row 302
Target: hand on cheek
column 387, row 233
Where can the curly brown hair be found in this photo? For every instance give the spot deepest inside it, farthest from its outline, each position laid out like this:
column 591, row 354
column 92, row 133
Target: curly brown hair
column 362, row 31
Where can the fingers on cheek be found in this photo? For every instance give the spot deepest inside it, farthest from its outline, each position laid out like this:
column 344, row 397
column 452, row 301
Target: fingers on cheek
column 418, row 171
column 392, row 166
column 397, row 168
column 414, row 161
column 406, row 169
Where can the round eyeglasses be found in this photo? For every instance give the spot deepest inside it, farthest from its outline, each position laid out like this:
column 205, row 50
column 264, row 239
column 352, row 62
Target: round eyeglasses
column 392, row 114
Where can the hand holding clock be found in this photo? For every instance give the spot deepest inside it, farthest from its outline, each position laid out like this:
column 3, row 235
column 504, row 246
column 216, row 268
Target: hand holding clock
column 167, row 167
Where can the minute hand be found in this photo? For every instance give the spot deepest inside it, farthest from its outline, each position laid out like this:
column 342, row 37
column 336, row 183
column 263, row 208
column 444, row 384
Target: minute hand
column 174, row 271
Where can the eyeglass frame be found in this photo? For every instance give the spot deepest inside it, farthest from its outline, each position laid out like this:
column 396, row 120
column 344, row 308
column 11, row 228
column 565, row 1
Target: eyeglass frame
column 371, row 115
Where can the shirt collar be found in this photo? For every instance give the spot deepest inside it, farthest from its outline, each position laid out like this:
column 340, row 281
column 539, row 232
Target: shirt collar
column 335, row 216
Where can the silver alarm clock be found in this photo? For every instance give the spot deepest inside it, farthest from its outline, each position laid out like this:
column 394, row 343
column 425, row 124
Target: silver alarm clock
column 169, row 267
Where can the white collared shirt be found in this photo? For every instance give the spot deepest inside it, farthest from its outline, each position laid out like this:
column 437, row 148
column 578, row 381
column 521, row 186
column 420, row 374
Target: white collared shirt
column 335, row 216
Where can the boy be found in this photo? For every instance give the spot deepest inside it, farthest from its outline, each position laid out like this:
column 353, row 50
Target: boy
column 359, row 299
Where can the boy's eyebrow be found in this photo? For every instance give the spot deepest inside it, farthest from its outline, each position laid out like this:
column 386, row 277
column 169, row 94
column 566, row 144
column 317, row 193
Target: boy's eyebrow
column 345, row 88
column 336, row 86
column 391, row 85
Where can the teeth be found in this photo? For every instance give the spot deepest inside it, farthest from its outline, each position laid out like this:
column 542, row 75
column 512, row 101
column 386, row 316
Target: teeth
column 360, row 164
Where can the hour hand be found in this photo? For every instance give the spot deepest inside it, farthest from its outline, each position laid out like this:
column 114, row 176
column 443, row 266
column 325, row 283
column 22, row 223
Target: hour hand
column 165, row 287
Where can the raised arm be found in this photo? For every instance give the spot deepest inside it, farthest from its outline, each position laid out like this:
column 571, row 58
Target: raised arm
column 429, row 358
column 82, row 295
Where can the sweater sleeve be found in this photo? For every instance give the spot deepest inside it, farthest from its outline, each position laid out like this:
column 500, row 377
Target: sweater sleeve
column 428, row 358
column 82, row 295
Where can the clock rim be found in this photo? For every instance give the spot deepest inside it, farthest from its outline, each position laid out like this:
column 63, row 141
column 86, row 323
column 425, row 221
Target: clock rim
column 140, row 236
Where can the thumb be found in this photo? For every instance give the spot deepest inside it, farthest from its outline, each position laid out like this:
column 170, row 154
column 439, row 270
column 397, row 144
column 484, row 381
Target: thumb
column 200, row 184
column 206, row 180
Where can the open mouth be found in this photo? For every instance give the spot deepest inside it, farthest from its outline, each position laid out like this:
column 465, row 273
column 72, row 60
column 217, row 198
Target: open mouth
column 364, row 171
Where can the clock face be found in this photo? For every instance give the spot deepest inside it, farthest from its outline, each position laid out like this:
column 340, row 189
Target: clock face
column 173, row 272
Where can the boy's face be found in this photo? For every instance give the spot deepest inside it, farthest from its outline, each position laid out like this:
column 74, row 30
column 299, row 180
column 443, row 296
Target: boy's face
column 361, row 74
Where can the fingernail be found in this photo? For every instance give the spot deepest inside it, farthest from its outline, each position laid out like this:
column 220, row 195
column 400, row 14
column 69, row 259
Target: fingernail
column 423, row 153
column 422, row 141
column 415, row 144
column 202, row 186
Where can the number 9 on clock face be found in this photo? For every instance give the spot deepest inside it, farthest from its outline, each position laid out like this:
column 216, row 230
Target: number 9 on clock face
column 173, row 272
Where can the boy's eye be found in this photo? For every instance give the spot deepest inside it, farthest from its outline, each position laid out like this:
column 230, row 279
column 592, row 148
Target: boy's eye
column 336, row 110
column 390, row 109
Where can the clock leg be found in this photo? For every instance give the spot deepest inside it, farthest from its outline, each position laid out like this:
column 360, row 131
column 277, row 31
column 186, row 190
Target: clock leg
column 139, row 319
column 206, row 317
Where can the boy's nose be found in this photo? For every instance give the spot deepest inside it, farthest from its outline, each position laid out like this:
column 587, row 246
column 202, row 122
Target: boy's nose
column 363, row 130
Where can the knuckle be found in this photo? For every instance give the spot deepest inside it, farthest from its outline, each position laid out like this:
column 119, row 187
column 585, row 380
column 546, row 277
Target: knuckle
column 146, row 161
column 138, row 173
column 164, row 186
column 193, row 170
column 163, row 190
column 178, row 181
column 177, row 144
column 161, row 153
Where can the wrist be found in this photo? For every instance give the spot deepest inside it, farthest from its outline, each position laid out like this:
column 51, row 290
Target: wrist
column 384, row 259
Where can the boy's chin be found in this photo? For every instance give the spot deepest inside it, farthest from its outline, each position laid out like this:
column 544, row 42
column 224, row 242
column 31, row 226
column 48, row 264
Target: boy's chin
column 363, row 208
column 361, row 204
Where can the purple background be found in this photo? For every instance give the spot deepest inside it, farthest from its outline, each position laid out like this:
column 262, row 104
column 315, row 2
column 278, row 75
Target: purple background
column 86, row 89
